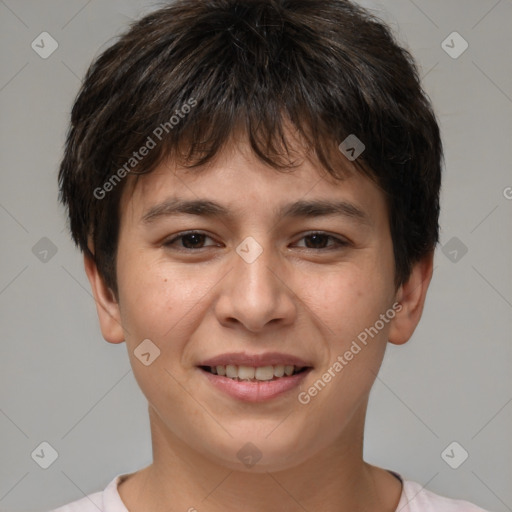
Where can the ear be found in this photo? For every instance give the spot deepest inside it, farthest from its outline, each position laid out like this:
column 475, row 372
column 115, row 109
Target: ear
column 411, row 296
column 106, row 304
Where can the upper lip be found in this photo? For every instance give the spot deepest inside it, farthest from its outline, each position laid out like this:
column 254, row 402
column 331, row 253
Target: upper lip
column 244, row 359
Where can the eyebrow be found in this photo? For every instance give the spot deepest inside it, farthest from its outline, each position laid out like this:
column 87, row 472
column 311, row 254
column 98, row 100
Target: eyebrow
column 298, row 209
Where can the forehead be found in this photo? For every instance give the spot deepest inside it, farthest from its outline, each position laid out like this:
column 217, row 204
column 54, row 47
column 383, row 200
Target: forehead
column 242, row 183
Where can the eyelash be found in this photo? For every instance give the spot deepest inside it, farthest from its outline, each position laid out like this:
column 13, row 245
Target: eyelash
column 338, row 242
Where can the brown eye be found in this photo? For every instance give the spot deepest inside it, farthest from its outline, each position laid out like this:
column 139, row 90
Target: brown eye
column 319, row 241
column 192, row 241
column 189, row 241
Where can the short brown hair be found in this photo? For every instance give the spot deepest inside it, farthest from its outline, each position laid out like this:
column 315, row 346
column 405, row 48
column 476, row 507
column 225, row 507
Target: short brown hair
column 328, row 66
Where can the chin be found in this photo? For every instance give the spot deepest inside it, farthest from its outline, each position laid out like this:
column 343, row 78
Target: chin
column 261, row 455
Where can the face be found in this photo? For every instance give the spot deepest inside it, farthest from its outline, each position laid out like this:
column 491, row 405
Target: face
column 255, row 281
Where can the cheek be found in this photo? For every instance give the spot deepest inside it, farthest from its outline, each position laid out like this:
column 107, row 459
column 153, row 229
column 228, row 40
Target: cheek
column 163, row 301
column 349, row 303
column 348, row 300
column 154, row 297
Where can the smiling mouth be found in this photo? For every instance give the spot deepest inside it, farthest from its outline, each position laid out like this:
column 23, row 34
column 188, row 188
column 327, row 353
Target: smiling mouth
column 255, row 374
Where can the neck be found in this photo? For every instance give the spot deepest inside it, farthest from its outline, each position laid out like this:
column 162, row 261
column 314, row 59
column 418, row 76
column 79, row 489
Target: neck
column 334, row 480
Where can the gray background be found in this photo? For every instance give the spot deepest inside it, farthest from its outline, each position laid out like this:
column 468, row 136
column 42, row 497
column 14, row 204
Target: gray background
column 63, row 384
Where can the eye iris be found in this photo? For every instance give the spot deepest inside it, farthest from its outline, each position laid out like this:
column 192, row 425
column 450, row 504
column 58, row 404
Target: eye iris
column 197, row 238
column 316, row 237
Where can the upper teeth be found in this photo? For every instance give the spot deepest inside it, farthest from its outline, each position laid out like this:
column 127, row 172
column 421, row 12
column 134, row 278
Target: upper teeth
column 249, row 372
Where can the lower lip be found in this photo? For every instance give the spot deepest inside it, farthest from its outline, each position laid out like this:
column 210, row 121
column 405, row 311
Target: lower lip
column 255, row 391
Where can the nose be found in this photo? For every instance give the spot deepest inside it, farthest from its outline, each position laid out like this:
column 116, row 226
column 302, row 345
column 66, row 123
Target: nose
column 256, row 294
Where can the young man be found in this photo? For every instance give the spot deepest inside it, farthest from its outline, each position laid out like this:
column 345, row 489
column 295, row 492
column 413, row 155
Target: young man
column 255, row 187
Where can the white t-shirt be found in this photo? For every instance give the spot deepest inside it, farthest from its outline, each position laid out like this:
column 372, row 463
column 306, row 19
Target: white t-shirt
column 414, row 498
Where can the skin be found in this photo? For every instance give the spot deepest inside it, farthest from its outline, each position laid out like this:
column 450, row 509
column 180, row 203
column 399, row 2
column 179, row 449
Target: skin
column 295, row 298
